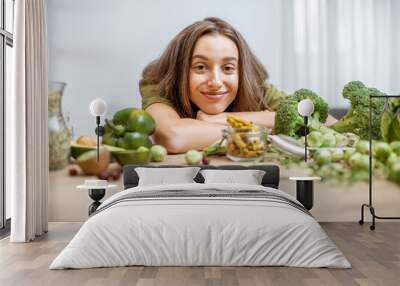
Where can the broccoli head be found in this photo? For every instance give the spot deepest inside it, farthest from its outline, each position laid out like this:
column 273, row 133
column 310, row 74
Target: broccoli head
column 356, row 119
column 288, row 121
column 350, row 87
column 320, row 107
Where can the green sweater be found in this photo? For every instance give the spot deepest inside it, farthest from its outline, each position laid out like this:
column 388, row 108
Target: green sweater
column 151, row 93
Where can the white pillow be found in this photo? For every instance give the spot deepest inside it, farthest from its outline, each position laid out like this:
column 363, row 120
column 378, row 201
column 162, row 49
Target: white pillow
column 164, row 176
column 248, row 177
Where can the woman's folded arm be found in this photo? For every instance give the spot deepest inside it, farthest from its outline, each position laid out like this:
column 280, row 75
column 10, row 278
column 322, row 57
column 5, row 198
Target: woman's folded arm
column 179, row 135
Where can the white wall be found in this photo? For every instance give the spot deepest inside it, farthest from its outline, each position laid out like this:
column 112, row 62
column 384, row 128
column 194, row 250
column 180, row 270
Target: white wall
column 99, row 47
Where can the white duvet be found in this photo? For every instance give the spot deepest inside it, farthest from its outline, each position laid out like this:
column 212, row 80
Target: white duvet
column 200, row 231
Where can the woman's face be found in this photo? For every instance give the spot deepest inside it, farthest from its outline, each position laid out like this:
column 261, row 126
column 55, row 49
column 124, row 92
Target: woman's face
column 214, row 73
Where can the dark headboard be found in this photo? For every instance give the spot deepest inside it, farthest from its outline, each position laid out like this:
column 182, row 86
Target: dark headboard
column 270, row 179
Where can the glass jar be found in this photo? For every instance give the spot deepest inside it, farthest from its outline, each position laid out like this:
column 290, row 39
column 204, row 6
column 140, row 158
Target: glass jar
column 59, row 134
column 246, row 145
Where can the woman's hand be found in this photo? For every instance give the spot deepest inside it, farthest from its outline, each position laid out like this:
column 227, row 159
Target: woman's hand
column 212, row 118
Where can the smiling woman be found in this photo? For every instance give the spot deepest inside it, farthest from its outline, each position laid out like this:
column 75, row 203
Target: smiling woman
column 207, row 72
column 214, row 76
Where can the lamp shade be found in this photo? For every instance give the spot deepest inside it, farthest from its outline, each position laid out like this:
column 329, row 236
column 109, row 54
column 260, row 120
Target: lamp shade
column 305, row 107
column 98, row 107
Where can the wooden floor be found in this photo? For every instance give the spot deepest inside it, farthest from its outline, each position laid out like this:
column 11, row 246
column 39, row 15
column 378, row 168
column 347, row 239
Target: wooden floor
column 375, row 257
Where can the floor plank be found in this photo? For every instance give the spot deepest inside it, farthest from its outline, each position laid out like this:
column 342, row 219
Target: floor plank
column 374, row 255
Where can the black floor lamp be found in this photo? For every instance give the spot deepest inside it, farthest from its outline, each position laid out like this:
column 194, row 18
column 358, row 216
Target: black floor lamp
column 370, row 205
column 305, row 109
column 98, row 107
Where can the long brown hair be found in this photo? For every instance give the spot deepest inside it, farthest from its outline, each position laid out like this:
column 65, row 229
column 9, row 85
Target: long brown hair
column 171, row 70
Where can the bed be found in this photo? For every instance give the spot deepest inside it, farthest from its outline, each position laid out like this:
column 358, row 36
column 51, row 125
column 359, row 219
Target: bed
column 201, row 224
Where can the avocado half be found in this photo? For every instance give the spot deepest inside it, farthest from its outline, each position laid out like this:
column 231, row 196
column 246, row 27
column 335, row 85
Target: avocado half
column 78, row 149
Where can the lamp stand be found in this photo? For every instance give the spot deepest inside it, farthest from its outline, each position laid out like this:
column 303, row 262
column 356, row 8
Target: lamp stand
column 305, row 137
column 99, row 132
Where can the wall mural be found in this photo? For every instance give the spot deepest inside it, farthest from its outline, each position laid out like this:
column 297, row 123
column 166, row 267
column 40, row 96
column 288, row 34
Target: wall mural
column 207, row 100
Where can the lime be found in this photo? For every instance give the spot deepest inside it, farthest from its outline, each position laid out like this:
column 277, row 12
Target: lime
column 121, row 116
column 193, row 157
column 158, row 153
column 109, row 139
column 141, row 121
column 134, row 140
column 107, row 128
column 121, row 143
column 116, row 129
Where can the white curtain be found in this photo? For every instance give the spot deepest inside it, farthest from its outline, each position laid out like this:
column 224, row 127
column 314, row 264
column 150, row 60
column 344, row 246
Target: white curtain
column 326, row 44
column 27, row 137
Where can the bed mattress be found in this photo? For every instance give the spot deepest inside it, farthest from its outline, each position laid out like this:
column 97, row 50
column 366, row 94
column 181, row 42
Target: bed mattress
column 201, row 225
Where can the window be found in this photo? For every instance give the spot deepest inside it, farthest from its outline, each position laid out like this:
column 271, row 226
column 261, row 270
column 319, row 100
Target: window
column 6, row 44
